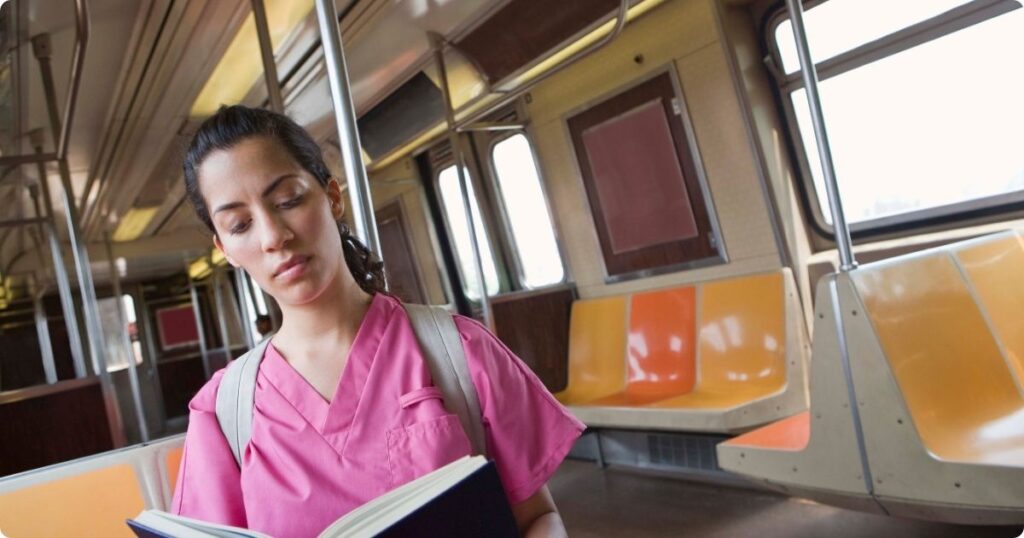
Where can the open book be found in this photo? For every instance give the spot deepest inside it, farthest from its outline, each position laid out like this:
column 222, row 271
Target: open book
column 463, row 498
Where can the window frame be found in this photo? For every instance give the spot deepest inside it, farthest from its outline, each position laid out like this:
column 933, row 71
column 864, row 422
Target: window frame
column 785, row 85
column 506, row 223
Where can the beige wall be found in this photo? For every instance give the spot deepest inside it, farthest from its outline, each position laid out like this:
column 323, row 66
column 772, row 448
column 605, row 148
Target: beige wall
column 682, row 33
column 769, row 138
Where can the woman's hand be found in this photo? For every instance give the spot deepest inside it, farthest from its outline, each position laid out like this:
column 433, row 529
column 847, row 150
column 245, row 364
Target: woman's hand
column 537, row 516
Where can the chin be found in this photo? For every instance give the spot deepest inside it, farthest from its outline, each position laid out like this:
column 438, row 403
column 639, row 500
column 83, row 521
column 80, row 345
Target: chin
column 300, row 293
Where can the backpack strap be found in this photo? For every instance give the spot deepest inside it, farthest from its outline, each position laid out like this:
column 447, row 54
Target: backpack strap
column 441, row 346
column 235, row 399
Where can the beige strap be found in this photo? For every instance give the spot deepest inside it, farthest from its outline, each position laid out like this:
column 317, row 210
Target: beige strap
column 442, row 349
column 236, row 399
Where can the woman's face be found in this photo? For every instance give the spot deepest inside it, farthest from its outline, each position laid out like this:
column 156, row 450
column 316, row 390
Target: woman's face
column 273, row 219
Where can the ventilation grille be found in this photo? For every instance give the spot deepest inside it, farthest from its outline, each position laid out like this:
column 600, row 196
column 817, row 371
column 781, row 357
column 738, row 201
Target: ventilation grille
column 690, row 452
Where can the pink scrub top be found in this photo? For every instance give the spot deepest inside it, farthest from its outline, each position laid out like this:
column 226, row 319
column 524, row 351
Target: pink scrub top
column 311, row 461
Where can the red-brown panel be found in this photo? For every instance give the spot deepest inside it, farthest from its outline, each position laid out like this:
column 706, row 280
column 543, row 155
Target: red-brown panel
column 399, row 264
column 525, row 30
column 65, row 422
column 535, row 326
column 180, row 379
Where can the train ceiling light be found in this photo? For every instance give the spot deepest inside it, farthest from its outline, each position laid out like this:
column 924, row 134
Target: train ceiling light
column 134, row 223
column 241, row 65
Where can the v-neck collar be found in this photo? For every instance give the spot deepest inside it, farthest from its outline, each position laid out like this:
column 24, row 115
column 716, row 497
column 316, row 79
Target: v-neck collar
column 334, row 417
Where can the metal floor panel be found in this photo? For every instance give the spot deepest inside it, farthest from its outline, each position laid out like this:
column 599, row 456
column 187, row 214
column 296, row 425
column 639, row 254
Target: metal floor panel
column 602, row 503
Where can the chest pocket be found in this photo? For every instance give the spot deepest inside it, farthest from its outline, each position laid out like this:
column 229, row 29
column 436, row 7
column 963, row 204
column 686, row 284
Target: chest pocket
column 430, row 438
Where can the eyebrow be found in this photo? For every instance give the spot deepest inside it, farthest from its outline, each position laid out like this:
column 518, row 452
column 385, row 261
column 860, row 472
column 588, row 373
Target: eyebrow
column 266, row 192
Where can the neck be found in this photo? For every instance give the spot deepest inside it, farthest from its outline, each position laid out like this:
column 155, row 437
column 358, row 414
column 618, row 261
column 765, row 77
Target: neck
column 330, row 321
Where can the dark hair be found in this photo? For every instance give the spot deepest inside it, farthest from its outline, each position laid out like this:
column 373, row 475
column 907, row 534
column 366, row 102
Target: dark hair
column 232, row 124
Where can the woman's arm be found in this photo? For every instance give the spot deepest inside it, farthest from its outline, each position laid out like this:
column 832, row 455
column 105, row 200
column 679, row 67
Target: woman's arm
column 538, row 517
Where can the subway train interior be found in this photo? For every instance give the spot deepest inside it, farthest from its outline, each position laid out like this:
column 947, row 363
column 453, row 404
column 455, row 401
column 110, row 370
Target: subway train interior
column 769, row 253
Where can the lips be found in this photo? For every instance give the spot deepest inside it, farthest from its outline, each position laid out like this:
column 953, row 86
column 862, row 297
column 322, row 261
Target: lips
column 291, row 267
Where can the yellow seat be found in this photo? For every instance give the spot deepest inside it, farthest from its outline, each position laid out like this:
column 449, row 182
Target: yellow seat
column 741, row 353
column 597, row 345
column 91, row 503
column 995, row 272
column 957, row 386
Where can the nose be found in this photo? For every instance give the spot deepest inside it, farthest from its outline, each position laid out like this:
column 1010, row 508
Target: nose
column 274, row 233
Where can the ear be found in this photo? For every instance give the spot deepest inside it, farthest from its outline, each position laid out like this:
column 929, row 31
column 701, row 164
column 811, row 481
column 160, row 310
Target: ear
column 220, row 247
column 336, row 197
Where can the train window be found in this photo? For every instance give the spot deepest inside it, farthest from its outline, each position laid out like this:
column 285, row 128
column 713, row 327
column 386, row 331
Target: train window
column 831, row 34
column 642, row 178
column 113, row 331
column 455, row 214
column 530, row 221
column 254, row 308
column 920, row 130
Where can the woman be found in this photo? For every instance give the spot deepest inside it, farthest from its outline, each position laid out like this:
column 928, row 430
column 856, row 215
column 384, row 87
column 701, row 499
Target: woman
column 344, row 409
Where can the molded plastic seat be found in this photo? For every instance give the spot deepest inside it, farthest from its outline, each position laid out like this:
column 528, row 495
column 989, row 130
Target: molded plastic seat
column 741, row 343
column 814, row 454
column 93, row 496
column 747, row 350
column 995, row 271
column 958, row 389
column 660, row 355
column 932, row 339
column 597, row 342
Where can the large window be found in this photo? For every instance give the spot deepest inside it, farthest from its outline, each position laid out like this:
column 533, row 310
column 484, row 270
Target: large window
column 455, row 214
column 529, row 219
column 922, row 102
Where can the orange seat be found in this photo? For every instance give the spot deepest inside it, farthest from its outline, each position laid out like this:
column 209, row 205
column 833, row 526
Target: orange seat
column 660, row 353
column 173, row 462
column 790, row 433
column 741, row 355
column 597, row 344
column 95, row 503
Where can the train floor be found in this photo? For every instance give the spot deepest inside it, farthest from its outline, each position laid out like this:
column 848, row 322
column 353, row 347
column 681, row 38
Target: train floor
column 612, row 502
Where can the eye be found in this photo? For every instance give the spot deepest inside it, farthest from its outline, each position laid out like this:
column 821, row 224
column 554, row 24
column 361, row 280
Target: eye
column 290, row 203
column 239, row 228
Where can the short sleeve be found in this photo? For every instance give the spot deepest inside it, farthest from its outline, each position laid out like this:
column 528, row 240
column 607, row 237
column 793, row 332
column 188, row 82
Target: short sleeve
column 528, row 432
column 209, row 485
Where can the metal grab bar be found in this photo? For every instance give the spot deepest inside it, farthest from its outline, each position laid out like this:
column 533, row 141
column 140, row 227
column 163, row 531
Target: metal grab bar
column 345, row 117
column 810, row 75
column 77, row 60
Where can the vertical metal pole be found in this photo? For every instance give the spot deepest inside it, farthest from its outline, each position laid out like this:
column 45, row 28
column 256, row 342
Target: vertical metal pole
column 810, row 75
column 43, row 333
column 344, row 112
column 126, row 342
column 60, row 273
column 244, row 300
column 150, row 338
column 90, row 307
column 218, row 298
column 259, row 13
column 197, row 312
column 460, row 167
